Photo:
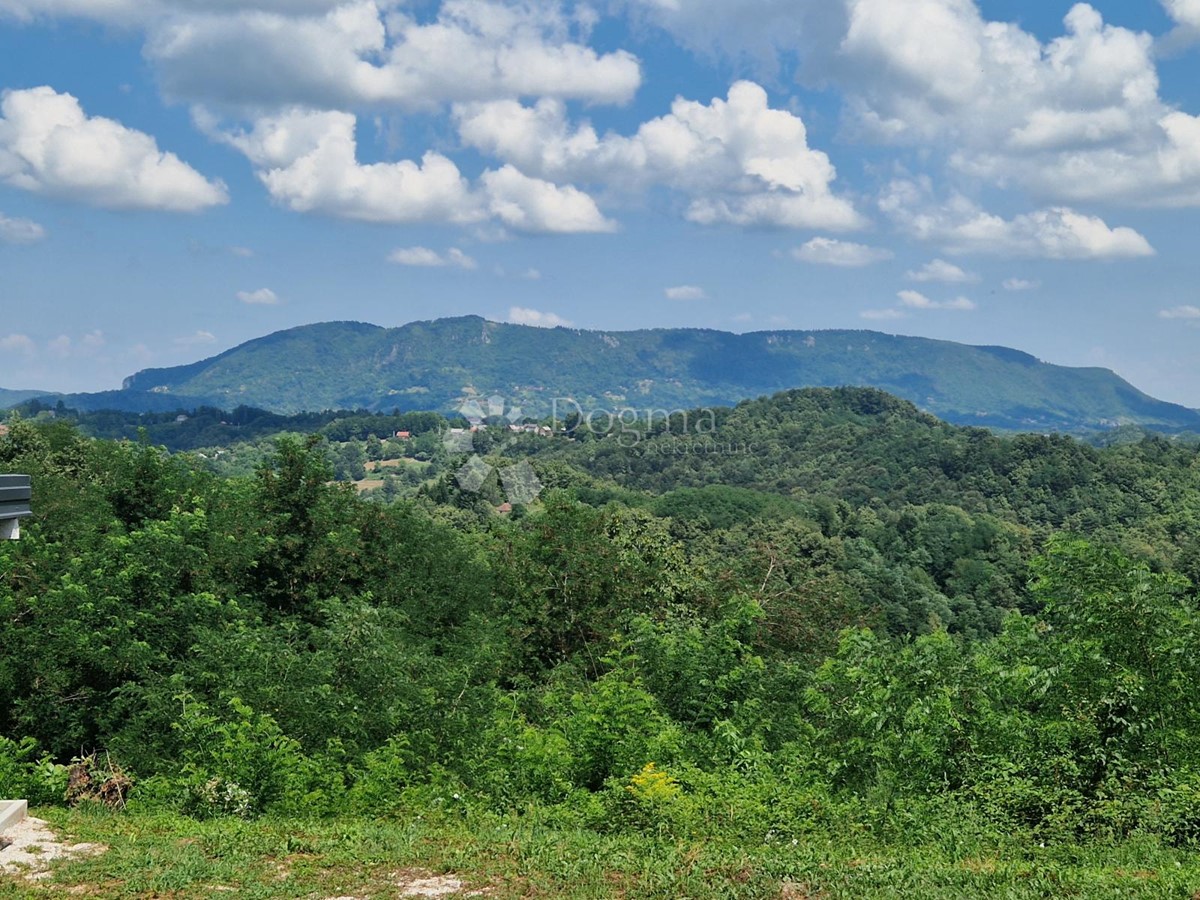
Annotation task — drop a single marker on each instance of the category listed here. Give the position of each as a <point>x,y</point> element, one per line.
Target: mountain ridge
<point>437,364</point>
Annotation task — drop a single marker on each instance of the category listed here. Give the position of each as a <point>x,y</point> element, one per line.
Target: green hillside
<point>436,365</point>
<point>830,647</point>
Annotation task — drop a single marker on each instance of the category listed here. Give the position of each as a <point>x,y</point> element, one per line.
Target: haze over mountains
<point>435,365</point>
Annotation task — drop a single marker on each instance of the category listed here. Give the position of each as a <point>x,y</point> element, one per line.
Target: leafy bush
<point>242,765</point>
<point>28,776</point>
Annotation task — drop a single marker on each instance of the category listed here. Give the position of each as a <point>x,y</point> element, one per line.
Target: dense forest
<point>827,614</point>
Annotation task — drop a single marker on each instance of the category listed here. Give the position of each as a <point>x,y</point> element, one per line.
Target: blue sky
<point>178,176</point>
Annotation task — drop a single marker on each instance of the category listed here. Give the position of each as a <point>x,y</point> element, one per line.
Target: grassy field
<point>162,855</point>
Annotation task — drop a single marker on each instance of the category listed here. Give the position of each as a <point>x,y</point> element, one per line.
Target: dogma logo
<point>521,484</point>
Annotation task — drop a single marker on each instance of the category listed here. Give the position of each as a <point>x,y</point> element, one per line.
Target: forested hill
<point>434,365</point>
<point>9,398</point>
<point>823,619</point>
<point>863,448</point>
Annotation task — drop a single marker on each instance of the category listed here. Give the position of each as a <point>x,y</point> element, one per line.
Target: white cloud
<point>1180,312</point>
<point>120,11</point>
<point>883,315</point>
<point>307,161</point>
<point>531,204</point>
<point>1021,284</point>
<point>831,252</point>
<point>1056,233</point>
<point>940,270</point>
<point>685,292</point>
<point>423,256</point>
<point>1185,12</point>
<point>196,339</point>
<point>740,161</point>
<point>1076,118</point>
<point>917,300</point>
<point>931,68</point>
<point>20,231</point>
<point>242,252</point>
<point>959,226</point>
<point>531,274</point>
<point>520,315</point>
<point>18,343</point>
<point>260,297</point>
<point>368,53</point>
<point>48,145</point>
<point>63,346</point>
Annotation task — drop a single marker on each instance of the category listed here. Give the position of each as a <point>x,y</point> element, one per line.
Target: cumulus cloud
<point>18,343</point>
<point>49,145</point>
<point>520,315</point>
<point>423,256</point>
<point>1075,118</point>
<point>532,204</point>
<point>261,297</point>
<point>1180,312</point>
<point>685,292</point>
<point>1055,233</point>
<point>1185,12</point>
<point>940,270</point>
<point>917,300</point>
<point>20,231</point>
<point>960,226</point>
<point>1021,284</point>
<point>308,162</point>
<point>740,161</point>
<point>372,53</point>
<point>831,252</point>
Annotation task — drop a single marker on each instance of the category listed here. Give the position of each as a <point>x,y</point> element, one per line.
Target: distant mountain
<point>437,365</point>
<point>12,398</point>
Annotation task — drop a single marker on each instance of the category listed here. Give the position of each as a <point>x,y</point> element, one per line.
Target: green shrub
<point>386,772</point>
<point>614,728</point>
<point>28,776</point>
<point>518,762</point>
<point>243,765</point>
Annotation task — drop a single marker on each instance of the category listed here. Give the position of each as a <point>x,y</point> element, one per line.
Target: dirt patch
<point>422,883</point>
<point>34,846</point>
<point>416,883</point>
